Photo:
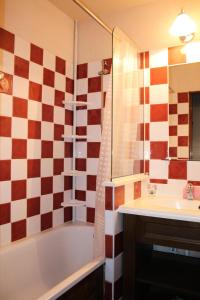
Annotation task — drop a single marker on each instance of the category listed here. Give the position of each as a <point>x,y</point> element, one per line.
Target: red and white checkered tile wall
<point>32,151</point>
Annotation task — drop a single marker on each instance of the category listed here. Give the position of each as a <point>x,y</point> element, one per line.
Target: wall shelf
<point>76,103</point>
<point>73,173</point>
<point>73,203</point>
<point>82,137</point>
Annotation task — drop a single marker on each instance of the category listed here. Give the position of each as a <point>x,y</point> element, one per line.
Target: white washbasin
<point>173,203</point>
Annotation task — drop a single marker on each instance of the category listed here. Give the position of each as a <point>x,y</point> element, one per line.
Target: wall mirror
<point>184,111</point>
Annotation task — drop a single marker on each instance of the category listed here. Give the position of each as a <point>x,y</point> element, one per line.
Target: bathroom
<point>66,203</point>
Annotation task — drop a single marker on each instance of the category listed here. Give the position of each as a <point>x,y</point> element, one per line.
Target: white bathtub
<point>46,265</point>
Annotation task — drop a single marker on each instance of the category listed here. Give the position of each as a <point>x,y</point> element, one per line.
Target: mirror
<point>184,111</point>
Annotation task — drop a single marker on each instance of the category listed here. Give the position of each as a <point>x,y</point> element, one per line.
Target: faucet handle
<point>190,189</point>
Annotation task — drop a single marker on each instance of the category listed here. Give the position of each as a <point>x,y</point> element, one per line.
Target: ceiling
<point>99,7</point>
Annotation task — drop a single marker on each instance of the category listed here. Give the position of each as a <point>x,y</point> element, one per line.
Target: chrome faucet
<point>190,195</point>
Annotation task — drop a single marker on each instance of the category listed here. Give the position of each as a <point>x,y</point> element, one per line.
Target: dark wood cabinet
<point>148,273</point>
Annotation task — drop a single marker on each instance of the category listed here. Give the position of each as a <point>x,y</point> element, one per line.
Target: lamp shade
<point>182,26</point>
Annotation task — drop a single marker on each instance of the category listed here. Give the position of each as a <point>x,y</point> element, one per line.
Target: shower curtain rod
<point>90,13</point>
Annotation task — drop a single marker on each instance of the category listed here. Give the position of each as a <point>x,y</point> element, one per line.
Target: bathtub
<point>49,264</point>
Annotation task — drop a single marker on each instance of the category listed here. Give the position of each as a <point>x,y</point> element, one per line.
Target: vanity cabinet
<point>150,274</point>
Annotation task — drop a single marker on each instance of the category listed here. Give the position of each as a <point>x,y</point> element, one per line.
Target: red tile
<point>81,130</point>
<point>119,196</point>
<point>34,129</point>
<point>183,97</point>
<point>35,91</point>
<point>58,166</point>
<point>94,117</point>
<point>158,150</point>
<point>68,117</point>
<point>4,213</point>
<point>158,112</point>
<point>177,169</point>
<point>47,113</point>
<point>5,167</point>
<point>141,60</point>
<point>80,195</point>
<point>109,198</point>
<point>183,119</point>
<point>146,166</point>
<point>90,214</point>
<point>118,288</point>
<point>60,65</point>
<point>19,148</point>
<point>182,141</point>
<point>146,95</point>
<point>137,190</point>
<point>94,84</point>
<point>58,132</point>
<point>18,230</point>
<point>82,71</point>
<point>160,181</point>
<point>6,84</point>
<point>21,67</point>
<point>142,95</point>
<point>107,64</point>
<point>48,77</point>
<point>147,132</point>
<point>59,98</point>
<point>47,149</point>
<point>46,185</point>
<point>146,59</point>
<point>109,246</point>
<point>93,149</point>
<point>20,107</point>
<point>69,87</point>
<point>46,221</point>
<point>108,291</point>
<point>158,75</point>
<point>67,183</point>
<point>172,109</point>
<point>118,243</point>
<point>36,54</point>
<point>173,152</point>
<point>176,55</point>
<point>58,198</point>
<point>91,182</point>
<point>7,40</point>
<point>172,130</point>
<point>67,214</point>
<point>5,126</point>
<point>33,207</point>
<point>68,149</point>
<point>18,190</point>
<point>80,164</point>
<point>33,168</point>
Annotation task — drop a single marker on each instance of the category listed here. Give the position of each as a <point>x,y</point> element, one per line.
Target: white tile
<point>81,183</point>
<point>183,130</point>
<point>67,163</point>
<point>159,131</point>
<point>58,183</point>
<point>33,225</point>
<point>58,149</point>
<point>173,98</point>
<point>68,130</point>
<point>94,133</point>
<point>193,168</point>
<point>46,203</point>
<point>34,110</point>
<point>173,120</point>
<point>109,270</point>
<point>5,234</point>
<point>33,187</point>
<point>81,149</point>
<point>48,95</point>
<point>183,108</point>
<point>90,198</point>
<point>7,62</point>
<point>118,267</point>
<point>147,150</point>
<point>49,60</point>
<point>159,94</point>
<point>158,58</point>
<point>20,87</point>
<point>19,128</point>
<point>94,68</point>
<point>92,166</point>
<point>69,70</point>
<point>67,195</point>
<point>107,82</point>
<point>6,105</point>
<point>82,86</point>
<point>129,192</point>
<point>147,113</point>
<point>5,148</point>
<point>173,141</point>
<point>5,192</point>
<point>18,210</point>
<point>35,73</point>
<point>22,48</point>
<point>95,100</point>
<point>18,169</point>
<point>47,131</point>
<point>81,214</point>
<point>183,152</point>
<point>59,115</point>
<point>81,117</point>
<point>146,77</point>
<point>109,222</point>
<point>58,217</point>
<point>173,188</point>
<point>158,169</point>
<point>33,148</point>
<point>60,82</point>
<point>46,167</point>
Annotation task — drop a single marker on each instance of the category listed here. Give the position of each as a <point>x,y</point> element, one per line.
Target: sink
<point>174,203</point>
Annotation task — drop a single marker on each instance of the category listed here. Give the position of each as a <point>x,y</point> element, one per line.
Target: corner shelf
<point>66,137</point>
<point>72,203</point>
<point>73,173</point>
<point>76,103</point>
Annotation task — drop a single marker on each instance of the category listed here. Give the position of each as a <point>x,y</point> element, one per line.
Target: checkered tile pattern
<point>32,152</point>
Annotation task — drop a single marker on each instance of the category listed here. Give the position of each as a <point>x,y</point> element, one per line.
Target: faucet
<point>190,195</point>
